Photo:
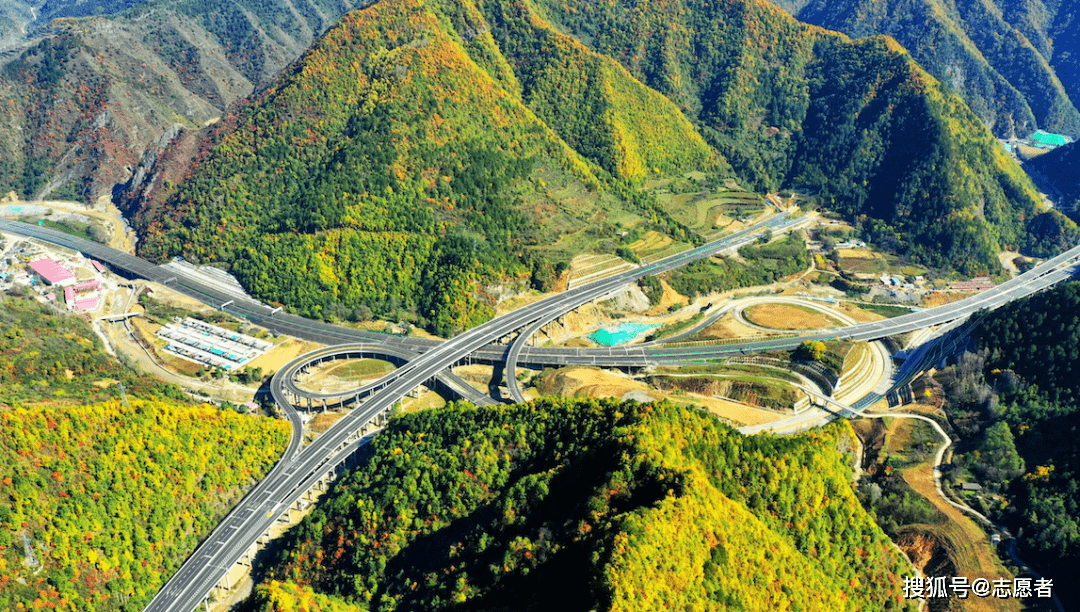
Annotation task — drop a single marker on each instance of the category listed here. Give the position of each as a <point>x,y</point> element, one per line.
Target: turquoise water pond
<point>621,334</point>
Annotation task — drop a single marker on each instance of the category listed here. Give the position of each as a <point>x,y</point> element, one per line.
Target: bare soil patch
<point>477,375</point>
<point>727,327</point>
<point>427,399</point>
<point>169,297</point>
<point>940,299</point>
<point>588,382</point>
<point>969,548</point>
<point>518,301</point>
<point>731,412</point>
<point>1028,153</point>
<point>667,300</point>
<point>860,315</point>
<point>321,422</point>
<point>180,366</point>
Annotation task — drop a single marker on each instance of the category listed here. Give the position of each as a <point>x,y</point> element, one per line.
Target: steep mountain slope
<point>1013,61</point>
<point>857,122</point>
<point>110,497</point>
<point>51,359</point>
<point>1016,405</point>
<point>588,505</point>
<point>421,151</point>
<point>412,155</point>
<point>1060,169</point>
<point>84,101</point>
<point>15,18</point>
<point>113,498</point>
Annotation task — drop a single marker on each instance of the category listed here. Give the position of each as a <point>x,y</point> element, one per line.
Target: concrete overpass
<point>292,477</point>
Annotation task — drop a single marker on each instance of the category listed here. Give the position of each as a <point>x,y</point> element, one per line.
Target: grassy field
<point>865,261</point>
<point>576,221</point>
<point>763,391</point>
<point>788,316</point>
<point>79,230</point>
<point>712,214</point>
<point>360,369</point>
<point>655,245</point>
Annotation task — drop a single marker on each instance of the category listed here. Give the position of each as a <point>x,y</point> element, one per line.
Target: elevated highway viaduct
<point>205,567</point>
<point>1044,275</point>
<point>299,470</point>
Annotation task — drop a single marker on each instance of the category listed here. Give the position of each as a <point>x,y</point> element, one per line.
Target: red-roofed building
<point>52,272</point>
<point>87,304</point>
<point>69,295</point>
<point>87,286</point>
<point>979,283</point>
<point>97,266</point>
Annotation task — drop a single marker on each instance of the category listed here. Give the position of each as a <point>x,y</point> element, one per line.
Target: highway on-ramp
<point>205,568</point>
<point>256,512</point>
<point>296,472</point>
<point>1044,275</point>
<point>747,236</point>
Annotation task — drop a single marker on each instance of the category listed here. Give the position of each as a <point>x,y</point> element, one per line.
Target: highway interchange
<point>299,469</point>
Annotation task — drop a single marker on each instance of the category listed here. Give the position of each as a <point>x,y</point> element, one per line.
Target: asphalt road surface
<point>292,476</point>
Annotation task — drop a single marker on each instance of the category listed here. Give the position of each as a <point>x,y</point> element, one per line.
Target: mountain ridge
<point>587,505</point>
<point>857,122</point>
<point>1011,60</point>
<point>91,93</point>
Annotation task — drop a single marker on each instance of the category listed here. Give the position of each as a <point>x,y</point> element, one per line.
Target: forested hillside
<point>415,154</point>
<point>588,505</point>
<point>1060,169</point>
<point>420,152</point>
<point>1022,397</point>
<point>858,123</point>
<point>83,102</point>
<point>111,499</point>
<point>52,358</point>
<point>1013,61</point>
